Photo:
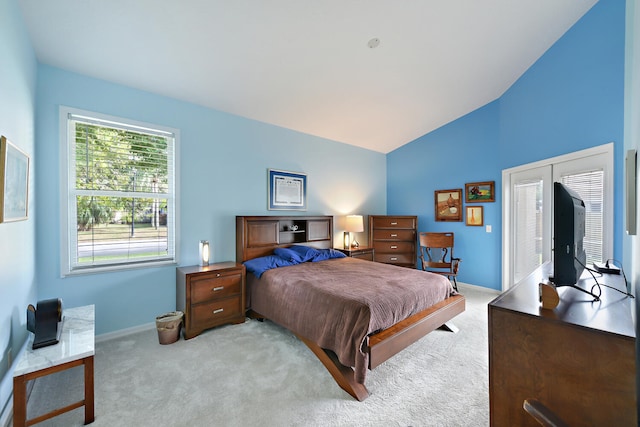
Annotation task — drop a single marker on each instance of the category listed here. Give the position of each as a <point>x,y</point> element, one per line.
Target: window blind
<point>590,187</point>
<point>121,193</point>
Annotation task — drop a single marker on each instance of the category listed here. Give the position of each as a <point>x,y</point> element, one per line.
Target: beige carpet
<point>260,374</point>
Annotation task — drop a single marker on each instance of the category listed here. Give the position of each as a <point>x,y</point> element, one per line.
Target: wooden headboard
<point>258,236</point>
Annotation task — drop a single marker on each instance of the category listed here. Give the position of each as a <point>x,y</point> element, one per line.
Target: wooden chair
<point>436,254</point>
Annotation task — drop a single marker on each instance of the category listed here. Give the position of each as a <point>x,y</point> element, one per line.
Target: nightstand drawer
<point>384,234</point>
<point>214,286</point>
<point>215,312</point>
<point>365,255</point>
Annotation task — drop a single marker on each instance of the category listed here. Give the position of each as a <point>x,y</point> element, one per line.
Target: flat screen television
<point>569,257</point>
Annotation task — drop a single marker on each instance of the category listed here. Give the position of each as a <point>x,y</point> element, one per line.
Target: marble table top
<point>77,341</point>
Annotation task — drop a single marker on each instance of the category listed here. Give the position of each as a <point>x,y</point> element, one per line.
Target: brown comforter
<point>336,303</point>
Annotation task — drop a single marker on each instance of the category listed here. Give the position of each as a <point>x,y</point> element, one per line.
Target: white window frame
<point>68,218</point>
<point>606,154</point>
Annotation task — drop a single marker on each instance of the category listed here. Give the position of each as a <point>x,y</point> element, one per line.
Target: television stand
<point>541,354</point>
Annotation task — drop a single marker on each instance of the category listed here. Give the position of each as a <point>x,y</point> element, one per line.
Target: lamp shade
<point>204,252</point>
<point>354,224</point>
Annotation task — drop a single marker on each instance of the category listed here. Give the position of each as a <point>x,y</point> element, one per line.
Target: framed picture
<point>287,190</point>
<point>14,182</point>
<point>448,205</point>
<point>475,216</point>
<point>477,192</point>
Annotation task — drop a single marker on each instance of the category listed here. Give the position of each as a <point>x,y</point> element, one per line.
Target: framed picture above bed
<point>448,205</point>
<point>287,190</point>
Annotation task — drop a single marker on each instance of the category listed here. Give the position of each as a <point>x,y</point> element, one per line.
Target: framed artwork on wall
<point>287,190</point>
<point>448,205</point>
<point>478,192</point>
<point>475,216</point>
<point>14,182</point>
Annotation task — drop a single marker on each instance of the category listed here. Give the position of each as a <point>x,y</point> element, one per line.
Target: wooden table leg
<point>89,415</point>
<point>19,401</point>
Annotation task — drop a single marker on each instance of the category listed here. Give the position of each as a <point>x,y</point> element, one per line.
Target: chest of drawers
<point>210,296</point>
<point>393,239</point>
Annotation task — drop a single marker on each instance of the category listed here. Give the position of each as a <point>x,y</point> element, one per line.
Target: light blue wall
<point>631,246</point>
<point>223,169</point>
<point>459,152</point>
<point>17,239</point>
<point>570,99</point>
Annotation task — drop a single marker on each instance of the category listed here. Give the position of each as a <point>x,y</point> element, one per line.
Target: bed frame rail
<point>391,341</point>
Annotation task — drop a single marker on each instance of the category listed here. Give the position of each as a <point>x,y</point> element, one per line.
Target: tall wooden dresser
<point>393,239</point>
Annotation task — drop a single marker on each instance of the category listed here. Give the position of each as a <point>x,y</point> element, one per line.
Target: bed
<point>353,314</point>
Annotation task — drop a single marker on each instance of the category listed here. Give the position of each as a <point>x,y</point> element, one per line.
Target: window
<point>118,190</point>
<point>590,187</point>
<point>528,211</point>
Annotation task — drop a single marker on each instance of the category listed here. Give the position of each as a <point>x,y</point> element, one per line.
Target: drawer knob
<point>393,258</point>
<point>394,247</point>
<point>218,275</point>
<point>218,310</point>
<point>217,288</point>
<point>394,223</point>
<point>394,235</point>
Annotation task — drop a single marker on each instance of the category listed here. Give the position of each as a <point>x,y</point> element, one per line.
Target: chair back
<point>436,254</point>
<point>436,250</point>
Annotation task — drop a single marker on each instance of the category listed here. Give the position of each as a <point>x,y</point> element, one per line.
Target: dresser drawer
<point>212,313</point>
<point>399,258</point>
<point>214,286</point>
<point>393,247</point>
<point>387,234</point>
<point>393,222</point>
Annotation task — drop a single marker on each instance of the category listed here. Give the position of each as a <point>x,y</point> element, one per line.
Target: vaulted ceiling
<point>372,73</point>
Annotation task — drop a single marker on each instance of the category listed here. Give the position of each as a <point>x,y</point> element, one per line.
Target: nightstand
<point>210,295</point>
<point>361,252</point>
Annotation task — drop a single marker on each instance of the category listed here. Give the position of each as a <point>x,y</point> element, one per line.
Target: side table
<point>210,295</point>
<point>361,252</point>
<point>76,348</point>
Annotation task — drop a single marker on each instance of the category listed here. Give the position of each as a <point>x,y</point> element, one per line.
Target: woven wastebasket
<point>168,326</point>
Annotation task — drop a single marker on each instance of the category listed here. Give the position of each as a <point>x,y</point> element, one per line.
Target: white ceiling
<point>306,65</point>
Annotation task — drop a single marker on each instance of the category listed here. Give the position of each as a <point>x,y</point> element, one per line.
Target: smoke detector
<point>373,43</point>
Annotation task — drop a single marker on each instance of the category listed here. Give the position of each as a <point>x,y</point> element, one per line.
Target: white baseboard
<point>479,288</point>
<point>124,332</point>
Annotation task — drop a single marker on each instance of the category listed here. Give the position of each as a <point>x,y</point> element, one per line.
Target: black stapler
<point>45,321</point>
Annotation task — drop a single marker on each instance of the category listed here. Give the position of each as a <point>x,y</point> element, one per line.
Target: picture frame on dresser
<point>287,190</point>
<point>448,205</point>
<point>14,182</point>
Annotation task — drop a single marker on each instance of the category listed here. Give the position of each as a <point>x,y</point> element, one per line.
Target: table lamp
<point>354,224</point>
